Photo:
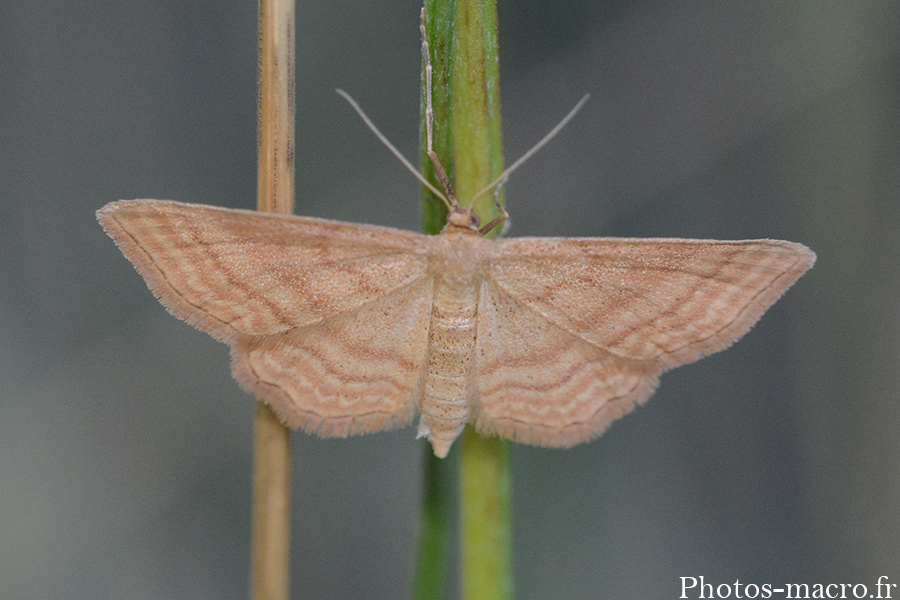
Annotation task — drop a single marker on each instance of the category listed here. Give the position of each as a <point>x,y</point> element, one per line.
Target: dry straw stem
<point>270,544</point>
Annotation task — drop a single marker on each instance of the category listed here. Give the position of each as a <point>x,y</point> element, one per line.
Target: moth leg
<point>503,217</point>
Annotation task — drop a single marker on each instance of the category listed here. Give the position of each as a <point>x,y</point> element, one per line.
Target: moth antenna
<point>381,137</point>
<point>429,119</point>
<point>506,173</point>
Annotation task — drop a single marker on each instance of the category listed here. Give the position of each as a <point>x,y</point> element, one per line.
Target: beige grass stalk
<point>270,543</point>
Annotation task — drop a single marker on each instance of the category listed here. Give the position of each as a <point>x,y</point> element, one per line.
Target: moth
<point>349,329</point>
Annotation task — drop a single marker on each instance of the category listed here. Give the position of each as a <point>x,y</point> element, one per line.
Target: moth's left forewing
<point>239,273</point>
<point>327,321</point>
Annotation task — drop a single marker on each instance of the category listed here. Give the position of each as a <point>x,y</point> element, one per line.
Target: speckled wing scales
<point>597,320</point>
<point>327,321</point>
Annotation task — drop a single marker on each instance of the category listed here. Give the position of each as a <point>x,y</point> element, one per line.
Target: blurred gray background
<point>125,445</point>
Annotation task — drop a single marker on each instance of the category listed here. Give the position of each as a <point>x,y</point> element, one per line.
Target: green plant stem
<point>462,36</point>
<point>433,561</point>
<point>485,496</point>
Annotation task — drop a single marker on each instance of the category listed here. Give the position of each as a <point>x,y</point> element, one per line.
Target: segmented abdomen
<point>451,346</point>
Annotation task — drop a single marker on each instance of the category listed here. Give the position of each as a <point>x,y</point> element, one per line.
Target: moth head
<point>463,218</point>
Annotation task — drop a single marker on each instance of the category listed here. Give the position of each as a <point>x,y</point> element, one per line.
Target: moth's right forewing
<point>573,333</point>
<point>243,273</point>
<point>665,300</point>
